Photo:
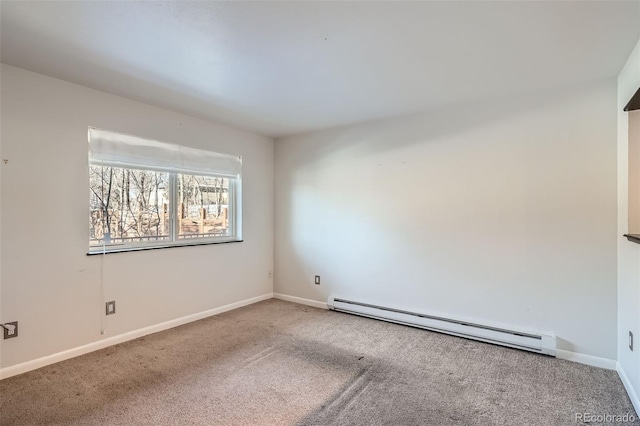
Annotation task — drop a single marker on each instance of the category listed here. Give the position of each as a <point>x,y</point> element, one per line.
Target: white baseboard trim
<point>121,338</point>
<point>300,300</point>
<point>594,361</point>
<point>633,396</point>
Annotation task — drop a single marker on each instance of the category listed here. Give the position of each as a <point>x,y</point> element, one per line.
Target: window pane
<point>203,206</point>
<point>128,206</point>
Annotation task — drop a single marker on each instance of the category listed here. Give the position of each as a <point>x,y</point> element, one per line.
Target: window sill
<point>129,249</point>
<point>634,238</point>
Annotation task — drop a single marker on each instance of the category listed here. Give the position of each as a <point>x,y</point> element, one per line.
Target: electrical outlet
<point>111,307</point>
<point>270,274</point>
<point>631,341</point>
<point>10,330</point>
<point>317,280</point>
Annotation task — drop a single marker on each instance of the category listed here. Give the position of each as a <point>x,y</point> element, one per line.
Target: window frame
<point>234,214</point>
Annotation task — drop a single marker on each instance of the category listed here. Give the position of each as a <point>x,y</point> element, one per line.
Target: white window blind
<point>132,151</point>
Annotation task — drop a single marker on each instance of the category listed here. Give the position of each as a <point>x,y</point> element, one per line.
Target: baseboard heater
<point>539,343</point>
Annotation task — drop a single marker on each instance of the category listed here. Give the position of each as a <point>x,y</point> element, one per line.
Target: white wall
<point>628,252</point>
<point>49,284</point>
<point>502,212</point>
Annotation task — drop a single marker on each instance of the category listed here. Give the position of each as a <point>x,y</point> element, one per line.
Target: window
<point>147,194</point>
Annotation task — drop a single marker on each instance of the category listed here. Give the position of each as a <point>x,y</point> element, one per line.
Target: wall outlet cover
<point>111,307</point>
<point>10,330</point>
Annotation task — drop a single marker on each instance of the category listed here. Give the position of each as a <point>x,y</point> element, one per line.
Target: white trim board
<point>594,361</point>
<point>300,300</point>
<point>633,396</point>
<point>121,338</point>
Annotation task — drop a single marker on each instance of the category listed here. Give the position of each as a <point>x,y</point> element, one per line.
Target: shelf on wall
<point>634,238</point>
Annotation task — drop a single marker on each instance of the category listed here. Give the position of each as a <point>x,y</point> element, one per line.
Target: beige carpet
<point>278,363</point>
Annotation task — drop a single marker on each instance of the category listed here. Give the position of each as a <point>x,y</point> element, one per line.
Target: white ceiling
<point>279,68</point>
